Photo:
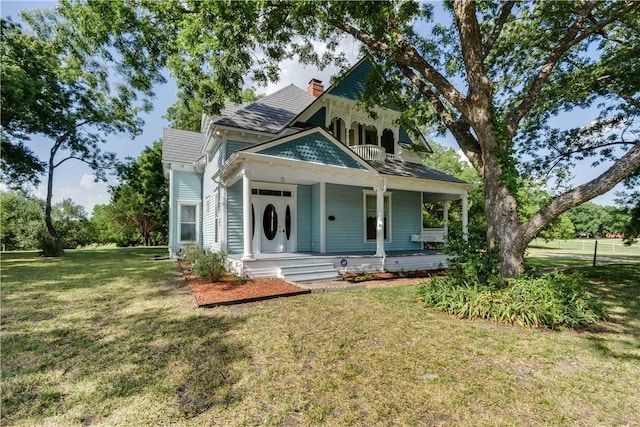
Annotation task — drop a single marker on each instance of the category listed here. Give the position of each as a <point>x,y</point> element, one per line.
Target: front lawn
<point>110,337</point>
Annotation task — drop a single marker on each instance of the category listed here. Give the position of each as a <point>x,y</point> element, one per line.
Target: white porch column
<point>246,216</point>
<point>223,217</point>
<point>323,217</point>
<point>465,217</point>
<point>380,218</point>
<point>445,217</point>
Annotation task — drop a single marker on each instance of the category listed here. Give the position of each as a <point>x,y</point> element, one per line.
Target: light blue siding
<point>235,241</point>
<point>187,188</point>
<point>315,218</point>
<point>209,206</point>
<point>406,219</point>
<point>345,233</point>
<point>304,214</point>
<point>233,146</point>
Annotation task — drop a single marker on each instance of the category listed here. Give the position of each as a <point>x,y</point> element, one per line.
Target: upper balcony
<point>373,153</point>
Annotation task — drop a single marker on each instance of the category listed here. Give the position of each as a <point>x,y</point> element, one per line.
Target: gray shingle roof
<point>181,146</point>
<point>413,170</point>
<point>271,113</point>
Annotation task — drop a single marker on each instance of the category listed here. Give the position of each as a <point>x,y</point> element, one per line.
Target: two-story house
<point>301,184</point>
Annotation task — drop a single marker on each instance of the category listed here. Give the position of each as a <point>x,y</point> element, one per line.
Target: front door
<point>273,218</point>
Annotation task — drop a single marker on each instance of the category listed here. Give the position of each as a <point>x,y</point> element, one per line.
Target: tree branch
<point>460,130</point>
<point>572,37</point>
<point>69,158</point>
<point>621,169</point>
<point>497,29</point>
<point>407,55</point>
<point>480,86</point>
<point>565,154</point>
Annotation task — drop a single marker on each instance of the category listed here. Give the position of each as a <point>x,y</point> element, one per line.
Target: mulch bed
<point>365,277</point>
<point>231,291</point>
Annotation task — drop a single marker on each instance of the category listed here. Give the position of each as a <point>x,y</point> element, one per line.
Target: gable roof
<point>181,146</point>
<point>313,145</point>
<point>269,114</point>
<point>413,170</point>
<point>352,83</point>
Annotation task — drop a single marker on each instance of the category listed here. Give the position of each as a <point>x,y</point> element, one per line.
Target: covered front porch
<point>301,267</point>
<point>306,205</point>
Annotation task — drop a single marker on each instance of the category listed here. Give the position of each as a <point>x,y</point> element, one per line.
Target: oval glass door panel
<point>253,221</point>
<point>270,222</point>
<point>287,222</point>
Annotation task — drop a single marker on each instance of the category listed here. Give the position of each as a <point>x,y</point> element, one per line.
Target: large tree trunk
<point>504,228</point>
<point>504,232</point>
<point>146,234</point>
<point>57,241</point>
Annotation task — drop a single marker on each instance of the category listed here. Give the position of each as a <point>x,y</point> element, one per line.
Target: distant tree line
<point>588,220</point>
<point>136,215</point>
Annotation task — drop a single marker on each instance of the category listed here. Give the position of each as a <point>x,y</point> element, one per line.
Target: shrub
<point>192,253</point>
<point>554,300</point>
<point>207,264</point>
<point>211,265</point>
<point>48,247</point>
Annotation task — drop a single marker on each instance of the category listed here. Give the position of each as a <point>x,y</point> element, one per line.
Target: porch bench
<point>430,235</point>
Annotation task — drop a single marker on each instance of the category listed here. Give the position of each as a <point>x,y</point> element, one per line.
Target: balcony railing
<point>373,153</point>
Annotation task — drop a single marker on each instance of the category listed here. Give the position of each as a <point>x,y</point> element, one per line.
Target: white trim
<point>246,216</point>
<point>171,228</point>
<point>387,195</point>
<point>223,218</point>
<point>195,204</point>
<point>256,201</point>
<point>323,217</point>
<point>465,217</point>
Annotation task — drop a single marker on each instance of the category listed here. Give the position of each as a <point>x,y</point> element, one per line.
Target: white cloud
<point>87,181</point>
<point>85,192</point>
<point>292,72</point>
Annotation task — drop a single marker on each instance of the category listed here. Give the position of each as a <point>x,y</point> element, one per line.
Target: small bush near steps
<point>554,300</point>
<point>210,265</point>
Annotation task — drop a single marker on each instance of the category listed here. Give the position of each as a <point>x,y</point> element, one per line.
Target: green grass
<point>110,337</point>
<point>579,252</point>
<point>606,247</point>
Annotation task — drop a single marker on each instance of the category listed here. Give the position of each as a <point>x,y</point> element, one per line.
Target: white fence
<point>605,246</point>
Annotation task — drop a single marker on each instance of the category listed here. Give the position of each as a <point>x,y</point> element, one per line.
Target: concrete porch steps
<point>306,272</point>
<point>309,272</point>
<point>262,272</point>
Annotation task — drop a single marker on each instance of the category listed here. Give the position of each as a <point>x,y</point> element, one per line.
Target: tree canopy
<point>498,76</point>
<point>50,88</point>
<point>140,204</point>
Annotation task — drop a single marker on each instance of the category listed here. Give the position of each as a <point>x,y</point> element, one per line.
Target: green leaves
<point>140,204</point>
<point>555,301</point>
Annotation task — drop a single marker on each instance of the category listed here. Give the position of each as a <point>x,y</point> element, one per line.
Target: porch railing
<point>370,152</point>
<point>430,235</point>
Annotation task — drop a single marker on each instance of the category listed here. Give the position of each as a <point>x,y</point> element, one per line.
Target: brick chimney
<point>315,87</point>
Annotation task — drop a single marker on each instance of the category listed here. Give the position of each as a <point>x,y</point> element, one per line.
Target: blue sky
<point>75,180</point>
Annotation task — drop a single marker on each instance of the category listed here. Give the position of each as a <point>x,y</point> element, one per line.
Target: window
<point>188,223</point>
<point>370,216</point>
<point>370,137</point>
<point>216,216</point>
